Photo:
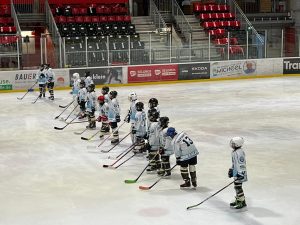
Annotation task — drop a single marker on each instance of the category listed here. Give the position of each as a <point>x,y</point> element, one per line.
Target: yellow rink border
<point>173,82</point>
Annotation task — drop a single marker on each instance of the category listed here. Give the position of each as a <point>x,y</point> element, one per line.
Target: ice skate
<point>186,184</point>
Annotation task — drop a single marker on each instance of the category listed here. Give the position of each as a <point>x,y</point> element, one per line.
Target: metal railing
<point>29,6</point>
<point>157,18</point>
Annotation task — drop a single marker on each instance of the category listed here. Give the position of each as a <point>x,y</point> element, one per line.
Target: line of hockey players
<point>45,79</point>
<point>151,134</point>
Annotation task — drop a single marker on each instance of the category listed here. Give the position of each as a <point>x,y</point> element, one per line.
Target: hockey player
<point>130,118</point>
<point>88,79</point>
<point>153,104</point>
<point>81,99</point>
<point>50,80</point>
<point>153,142</point>
<point>165,148</point>
<point>42,80</point>
<point>114,115</point>
<point>105,93</point>
<point>139,128</point>
<point>103,112</point>
<point>238,171</point>
<point>186,156</point>
<point>91,106</point>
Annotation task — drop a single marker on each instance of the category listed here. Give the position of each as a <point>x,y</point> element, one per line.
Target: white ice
<point>52,177</point>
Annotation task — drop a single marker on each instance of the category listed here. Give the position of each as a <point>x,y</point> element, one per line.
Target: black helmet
<point>153,115</point>
<point>113,94</point>
<point>139,106</point>
<point>82,84</point>
<point>164,121</point>
<point>91,88</point>
<point>153,102</point>
<point>105,90</point>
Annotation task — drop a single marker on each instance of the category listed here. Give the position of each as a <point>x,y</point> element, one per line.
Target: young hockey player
<point>238,171</point>
<point>130,118</point>
<point>103,112</point>
<point>91,106</point>
<point>186,156</point>
<point>153,142</point>
<point>105,93</point>
<point>139,128</point>
<point>165,148</point>
<point>88,79</point>
<point>75,87</point>
<point>50,80</point>
<point>114,115</point>
<point>153,104</point>
<point>81,99</point>
<point>42,80</point>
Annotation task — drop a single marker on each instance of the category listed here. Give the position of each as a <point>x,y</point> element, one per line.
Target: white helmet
<point>76,76</point>
<point>236,142</point>
<point>132,96</point>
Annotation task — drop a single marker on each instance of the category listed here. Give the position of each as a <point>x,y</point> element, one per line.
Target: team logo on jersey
<point>242,159</point>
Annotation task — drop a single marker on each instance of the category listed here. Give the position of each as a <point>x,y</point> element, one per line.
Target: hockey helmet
<point>139,106</point>
<point>113,94</point>
<point>236,142</point>
<point>105,90</point>
<point>76,76</point>
<point>164,121</point>
<point>132,96</point>
<point>91,88</point>
<point>171,132</point>
<point>153,115</point>
<point>153,102</point>
<point>82,84</point>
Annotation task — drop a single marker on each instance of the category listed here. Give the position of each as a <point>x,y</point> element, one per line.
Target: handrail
<point>156,17</point>
<point>249,24</point>
<point>14,16</point>
<point>50,21</point>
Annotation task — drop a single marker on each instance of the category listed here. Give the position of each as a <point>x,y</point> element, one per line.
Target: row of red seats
<point>6,20</point>
<point>222,24</point>
<point>7,30</point>
<point>5,10</point>
<point>8,39</point>
<point>216,16</point>
<point>224,41</point>
<point>233,50</point>
<point>198,8</point>
<point>217,32</point>
<point>93,19</point>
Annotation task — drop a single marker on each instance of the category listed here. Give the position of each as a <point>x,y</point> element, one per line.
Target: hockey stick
<point>27,91</point>
<point>61,128</point>
<point>149,187</point>
<point>128,150</point>
<point>135,180</point>
<point>78,133</point>
<point>63,111</point>
<point>87,139</point>
<point>111,134</point>
<point>116,167</point>
<point>71,112</point>
<point>116,144</point>
<point>65,106</point>
<point>192,206</point>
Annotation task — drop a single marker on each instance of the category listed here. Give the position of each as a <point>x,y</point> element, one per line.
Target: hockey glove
<point>118,119</point>
<point>239,177</point>
<point>133,131</point>
<point>230,172</point>
<point>127,118</point>
<point>161,151</point>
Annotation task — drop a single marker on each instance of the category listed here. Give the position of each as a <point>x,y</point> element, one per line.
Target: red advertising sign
<point>152,73</point>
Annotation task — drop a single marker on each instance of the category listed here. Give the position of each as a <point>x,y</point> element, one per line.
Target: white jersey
<point>41,77</point>
<point>140,123</point>
<point>76,87</point>
<point>103,109</point>
<point>91,101</point>
<point>132,112</point>
<point>50,75</point>
<point>88,80</point>
<point>184,147</point>
<point>239,164</point>
<point>153,133</point>
<point>113,110</point>
<point>106,98</point>
<point>82,95</point>
<point>148,121</point>
<point>165,142</point>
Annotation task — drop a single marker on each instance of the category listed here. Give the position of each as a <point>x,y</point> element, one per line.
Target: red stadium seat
<point>70,19</point>
<point>103,19</point>
<point>111,19</point>
<point>79,19</point>
<point>95,19</point>
<point>87,19</point>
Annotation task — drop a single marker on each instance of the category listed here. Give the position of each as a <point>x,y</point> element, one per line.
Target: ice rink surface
<point>52,177</point>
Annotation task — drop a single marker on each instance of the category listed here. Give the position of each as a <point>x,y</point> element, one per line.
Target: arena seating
<point>217,20</point>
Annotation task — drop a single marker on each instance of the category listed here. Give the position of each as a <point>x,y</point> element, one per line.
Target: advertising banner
<point>24,79</point>
<point>194,71</point>
<point>152,73</point>
<point>108,75</point>
<point>291,66</point>
<point>233,68</point>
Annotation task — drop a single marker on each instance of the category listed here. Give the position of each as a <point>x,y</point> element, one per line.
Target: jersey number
<point>187,140</point>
